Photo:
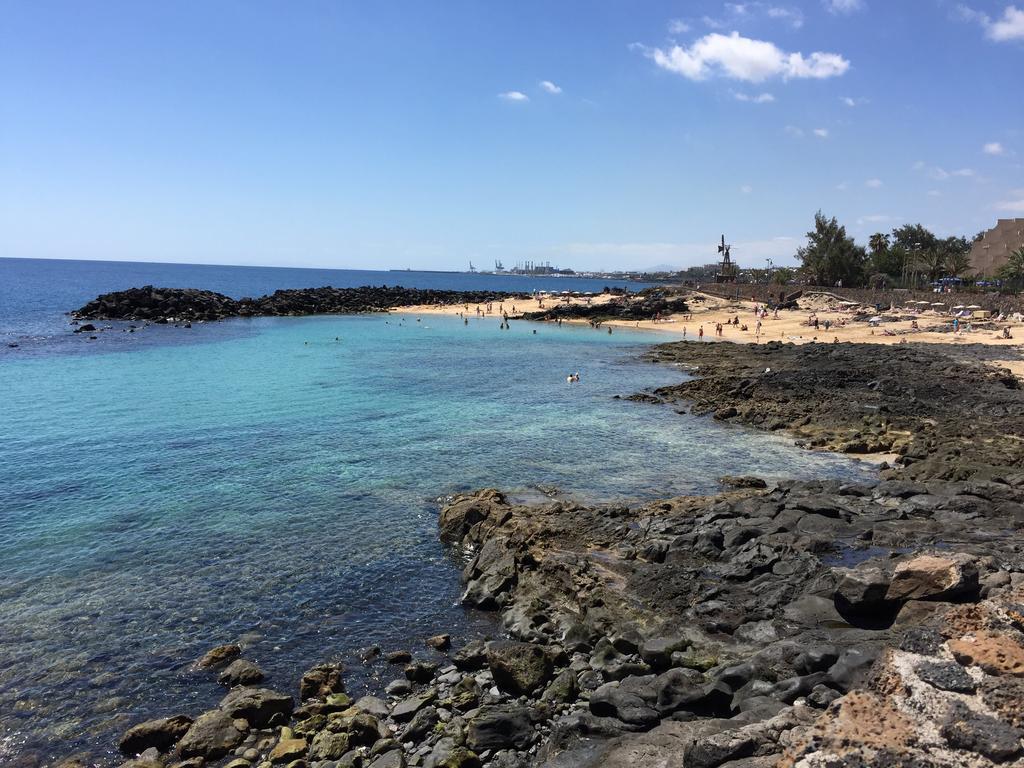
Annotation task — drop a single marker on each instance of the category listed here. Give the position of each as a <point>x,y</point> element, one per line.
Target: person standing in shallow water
<point>700,333</point>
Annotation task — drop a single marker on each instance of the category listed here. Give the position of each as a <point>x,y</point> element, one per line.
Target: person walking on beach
<point>700,333</point>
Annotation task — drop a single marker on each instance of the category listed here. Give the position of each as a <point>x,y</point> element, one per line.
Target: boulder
<point>421,671</point>
<point>629,700</point>
<point>219,656</point>
<point>261,707</point>
<point>406,708</point>
<point>471,657</point>
<point>439,642</point>
<point>160,734</point>
<point>935,577</point>
<point>322,680</point>
<point>328,746</point>
<point>657,650</point>
<point>213,735</point>
<point>422,723</point>
<point>240,672</point>
<point>518,668</point>
<point>392,759</point>
<point>504,726</point>
<point>286,750</point>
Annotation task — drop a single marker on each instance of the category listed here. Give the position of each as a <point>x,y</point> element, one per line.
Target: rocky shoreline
<point>794,623</point>
<point>169,305</point>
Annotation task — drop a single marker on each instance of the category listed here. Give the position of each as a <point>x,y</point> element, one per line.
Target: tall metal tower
<point>726,267</point>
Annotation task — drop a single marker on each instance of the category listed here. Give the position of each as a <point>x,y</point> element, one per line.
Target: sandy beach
<point>791,326</point>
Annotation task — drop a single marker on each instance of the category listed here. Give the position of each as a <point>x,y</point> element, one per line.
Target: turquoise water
<point>276,481</point>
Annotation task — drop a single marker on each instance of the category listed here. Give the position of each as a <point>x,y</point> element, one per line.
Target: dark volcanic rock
<point>159,734</point>
<point>259,706</point>
<point>240,672</point>
<point>500,727</point>
<point>518,668</point>
<point>190,304</point>
<point>211,736</point>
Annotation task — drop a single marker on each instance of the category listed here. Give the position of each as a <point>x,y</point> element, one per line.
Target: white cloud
<point>513,96</point>
<point>873,183</point>
<point>549,87</point>
<point>937,173</point>
<point>876,218</point>
<point>792,130</point>
<point>842,186</point>
<point>742,58</point>
<point>746,189</point>
<point>993,148</point>
<point>791,16</point>
<point>821,133</point>
<point>748,11</point>
<point>843,6</point>
<point>678,27</point>
<point>1008,27</point>
<point>1011,206</point>
<point>761,98</point>
<point>852,102</point>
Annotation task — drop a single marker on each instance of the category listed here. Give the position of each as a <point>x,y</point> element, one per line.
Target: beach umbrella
<point>972,306</point>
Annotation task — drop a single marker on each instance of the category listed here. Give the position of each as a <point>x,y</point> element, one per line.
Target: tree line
<point>909,256</point>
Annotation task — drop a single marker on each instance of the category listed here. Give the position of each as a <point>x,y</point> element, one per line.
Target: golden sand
<point>791,326</point>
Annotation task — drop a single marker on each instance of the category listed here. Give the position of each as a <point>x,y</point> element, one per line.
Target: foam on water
<point>279,486</point>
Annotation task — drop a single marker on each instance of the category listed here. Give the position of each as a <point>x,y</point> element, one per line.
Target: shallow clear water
<point>276,481</point>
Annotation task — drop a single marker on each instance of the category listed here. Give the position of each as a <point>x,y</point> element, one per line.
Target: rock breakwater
<point>191,304</point>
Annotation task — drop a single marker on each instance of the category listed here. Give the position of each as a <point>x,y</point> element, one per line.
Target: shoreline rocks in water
<point>791,623</point>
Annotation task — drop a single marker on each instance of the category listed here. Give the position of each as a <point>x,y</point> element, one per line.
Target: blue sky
<point>422,134</point>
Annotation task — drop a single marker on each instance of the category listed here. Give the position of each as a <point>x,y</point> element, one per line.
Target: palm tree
<point>1013,270</point>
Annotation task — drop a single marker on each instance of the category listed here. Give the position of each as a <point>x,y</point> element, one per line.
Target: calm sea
<point>276,482</point>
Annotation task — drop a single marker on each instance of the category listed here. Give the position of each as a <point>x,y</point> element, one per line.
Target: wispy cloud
<point>876,218</point>
<point>852,102</point>
<point>843,6</point>
<point>548,87</point>
<point>792,130</point>
<point>746,189</point>
<point>1011,206</point>
<point>821,133</point>
<point>874,184</point>
<point>677,27</point>
<point>993,148</point>
<point>761,98</point>
<point>739,13</point>
<point>842,186</point>
<point>1008,27</point>
<point>937,173</point>
<point>513,96</point>
<point>742,58</point>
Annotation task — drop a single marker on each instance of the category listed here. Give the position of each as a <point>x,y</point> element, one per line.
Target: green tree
<point>957,256</point>
<point>783,275</point>
<point>1013,270</point>
<point>831,256</point>
<point>914,237</point>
